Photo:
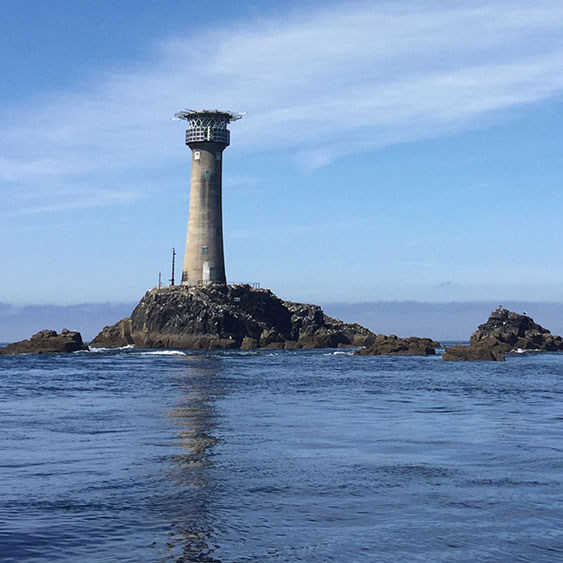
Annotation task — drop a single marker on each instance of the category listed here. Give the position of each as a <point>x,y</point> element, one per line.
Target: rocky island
<point>392,345</point>
<point>221,316</point>
<point>47,342</point>
<point>216,316</point>
<point>505,332</point>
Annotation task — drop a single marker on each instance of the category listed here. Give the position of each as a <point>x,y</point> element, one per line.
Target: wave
<point>164,353</point>
<point>523,351</point>
<point>97,350</point>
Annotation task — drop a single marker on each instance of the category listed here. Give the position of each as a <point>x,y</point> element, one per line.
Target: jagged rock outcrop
<point>511,331</point>
<point>114,336</point>
<point>47,342</point>
<point>227,316</point>
<point>394,346</point>
<point>504,332</point>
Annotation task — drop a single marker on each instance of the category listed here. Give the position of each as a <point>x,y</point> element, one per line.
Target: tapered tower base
<point>204,258</point>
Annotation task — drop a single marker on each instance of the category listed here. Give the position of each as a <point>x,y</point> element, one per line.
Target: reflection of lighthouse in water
<point>192,525</point>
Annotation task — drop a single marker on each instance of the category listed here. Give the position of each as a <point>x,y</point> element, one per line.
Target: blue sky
<point>390,151</point>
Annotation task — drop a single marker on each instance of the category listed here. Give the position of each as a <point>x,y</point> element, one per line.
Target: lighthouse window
<point>196,155</point>
<point>218,156</point>
<point>204,250</point>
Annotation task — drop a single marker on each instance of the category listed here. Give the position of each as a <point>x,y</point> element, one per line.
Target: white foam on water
<point>339,353</point>
<point>164,353</point>
<point>522,351</point>
<point>94,349</point>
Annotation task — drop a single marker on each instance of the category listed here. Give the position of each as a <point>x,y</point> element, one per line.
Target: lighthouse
<point>207,136</point>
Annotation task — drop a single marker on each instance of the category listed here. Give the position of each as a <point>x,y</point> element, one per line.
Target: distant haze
<point>442,321</point>
<point>17,323</point>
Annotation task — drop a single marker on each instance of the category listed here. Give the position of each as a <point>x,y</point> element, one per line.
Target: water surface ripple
<point>132,455</point>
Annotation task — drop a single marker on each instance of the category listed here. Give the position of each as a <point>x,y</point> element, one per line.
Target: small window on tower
<point>204,250</point>
<point>196,155</point>
<point>218,156</point>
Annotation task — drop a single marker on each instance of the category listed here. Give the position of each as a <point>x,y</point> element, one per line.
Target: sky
<point>390,150</point>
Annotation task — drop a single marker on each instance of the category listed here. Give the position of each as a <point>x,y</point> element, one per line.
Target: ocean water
<point>132,455</point>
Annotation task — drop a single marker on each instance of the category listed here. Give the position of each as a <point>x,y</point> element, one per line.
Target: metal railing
<point>253,285</point>
<point>212,134</point>
<point>201,283</point>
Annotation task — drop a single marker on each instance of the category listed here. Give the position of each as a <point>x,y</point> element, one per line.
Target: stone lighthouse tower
<point>207,135</point>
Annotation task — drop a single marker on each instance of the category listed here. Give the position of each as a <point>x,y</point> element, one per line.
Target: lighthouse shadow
<point>192,518</point>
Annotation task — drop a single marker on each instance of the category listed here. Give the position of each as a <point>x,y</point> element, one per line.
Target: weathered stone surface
<point>504,332</point>
<point>47,342</point>
<point>248,343</point>
<point>394,346</point>
<point>510,331</point>
<point>270,338</point>
<point>473,353</point>
<point>114,336</point>
<point>234,316</point>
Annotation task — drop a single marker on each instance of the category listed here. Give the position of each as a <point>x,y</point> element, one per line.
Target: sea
<point>280,456</point>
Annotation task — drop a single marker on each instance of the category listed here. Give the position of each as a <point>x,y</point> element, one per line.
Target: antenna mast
<point>173,264</point>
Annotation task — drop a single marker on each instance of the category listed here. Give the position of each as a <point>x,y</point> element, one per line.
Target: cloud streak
<point>101,198</point>
<point>321,83</point>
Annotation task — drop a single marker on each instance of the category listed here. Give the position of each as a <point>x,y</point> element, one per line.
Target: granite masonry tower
<point>207,136</point>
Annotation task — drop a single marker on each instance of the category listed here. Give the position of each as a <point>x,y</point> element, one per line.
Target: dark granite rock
<point>47,342</point>
<point>504,332</point>
<point>394,346</point>
<point>227,316</point>
<point>270,338</point>
<point>510,331</point>
<point>114,336</point>
<point>474,353</point>
<point>249,343</point>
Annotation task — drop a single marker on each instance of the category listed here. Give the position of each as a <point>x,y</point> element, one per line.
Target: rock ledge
<point>394,346</point>
<point>47,342</point>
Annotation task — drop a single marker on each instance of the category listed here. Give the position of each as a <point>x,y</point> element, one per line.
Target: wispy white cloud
<point>346,78</point>
<point>100,198</point>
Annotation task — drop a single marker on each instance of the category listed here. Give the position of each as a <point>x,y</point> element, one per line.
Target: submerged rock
<point>505,332</point>
<point>47,342</point>
<point>394,346</point>
<point>227,316</point>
